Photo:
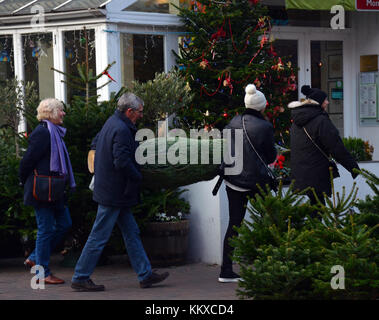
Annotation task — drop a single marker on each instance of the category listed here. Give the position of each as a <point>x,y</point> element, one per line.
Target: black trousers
<point>237,209</point>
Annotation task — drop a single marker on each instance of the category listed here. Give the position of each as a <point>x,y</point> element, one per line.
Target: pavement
<point>193,281</point>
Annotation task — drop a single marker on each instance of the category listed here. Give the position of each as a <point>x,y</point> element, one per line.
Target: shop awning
<point>319,4</point>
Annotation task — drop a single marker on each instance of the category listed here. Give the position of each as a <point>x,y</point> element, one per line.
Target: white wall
<point>206,218</point>
<point>366,26</point>
<point>209,215</point>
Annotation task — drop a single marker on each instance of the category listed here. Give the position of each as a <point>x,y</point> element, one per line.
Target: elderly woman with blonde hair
<point>47,159</point>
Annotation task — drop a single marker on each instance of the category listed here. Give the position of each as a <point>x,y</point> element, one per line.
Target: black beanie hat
<point>314,94</point>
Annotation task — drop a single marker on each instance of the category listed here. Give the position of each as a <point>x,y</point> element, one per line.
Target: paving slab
<point>193,281</point>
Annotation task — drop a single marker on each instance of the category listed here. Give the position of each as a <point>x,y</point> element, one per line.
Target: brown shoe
<point>29,263</point>
<point>52,280</point>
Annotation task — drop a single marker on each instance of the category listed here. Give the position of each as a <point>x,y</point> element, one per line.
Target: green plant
<point>359,149</point>
<point>163,206</point>
<point>14,103</point>
<point>228,45</point>
<point>165,95</point>
<point>296,262</point>
<point>17,221</point>
<point>369,207</point>
<point>269,210</point>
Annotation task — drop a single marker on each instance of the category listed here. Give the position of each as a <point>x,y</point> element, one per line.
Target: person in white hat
<point>261,135</point>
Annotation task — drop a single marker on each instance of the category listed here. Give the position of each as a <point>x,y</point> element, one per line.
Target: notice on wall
<point>368,77</point>
<point>367,101</point>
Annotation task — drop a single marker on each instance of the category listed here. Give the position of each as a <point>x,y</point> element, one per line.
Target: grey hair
<point>129,100</point>
<point>48,109</point>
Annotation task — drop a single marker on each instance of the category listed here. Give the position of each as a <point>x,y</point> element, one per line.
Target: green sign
<point>319,4</point>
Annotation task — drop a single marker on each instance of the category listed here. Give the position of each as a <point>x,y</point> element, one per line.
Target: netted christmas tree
<point>229,45</point>
<point>284,254</point>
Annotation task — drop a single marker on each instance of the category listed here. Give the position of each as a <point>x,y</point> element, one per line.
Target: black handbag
<point>48,188</point>
<point>332,163</point>
<point>272,180</point>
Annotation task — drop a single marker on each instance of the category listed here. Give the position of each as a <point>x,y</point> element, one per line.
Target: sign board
<point>337,94</point>
<point>368,98</point>
<point>369,63</point>
<point>367,5</point>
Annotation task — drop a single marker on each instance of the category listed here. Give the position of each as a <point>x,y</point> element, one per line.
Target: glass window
<point>327,75</point>
<point>158,6</point>
<point>38,61</point>
<point>141,56</point>
<point>76,52</point>
<point>6,58</point>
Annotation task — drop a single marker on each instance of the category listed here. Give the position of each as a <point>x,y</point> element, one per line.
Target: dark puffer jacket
<point>261,134</point>
<point>309,167</point>
<point>117,174</point>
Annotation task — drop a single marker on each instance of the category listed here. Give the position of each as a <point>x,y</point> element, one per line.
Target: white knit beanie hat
<point>254,99</point>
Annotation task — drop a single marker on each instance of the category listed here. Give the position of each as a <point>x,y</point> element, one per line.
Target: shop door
<point>327,74</point>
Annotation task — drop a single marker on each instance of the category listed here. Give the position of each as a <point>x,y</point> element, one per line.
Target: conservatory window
<point>158,6</point>
<point>141,56</point>
<point>6,58</point>
<point>38,61</point>
<point>76,45</point>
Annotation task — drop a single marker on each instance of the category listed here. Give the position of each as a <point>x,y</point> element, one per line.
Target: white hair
<point>48,109</point>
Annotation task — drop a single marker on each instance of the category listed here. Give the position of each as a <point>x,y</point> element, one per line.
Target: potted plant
<point>164,226</point>
<point>361,150</point>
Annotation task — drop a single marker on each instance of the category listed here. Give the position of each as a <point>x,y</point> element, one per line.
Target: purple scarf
<point>59,152</point>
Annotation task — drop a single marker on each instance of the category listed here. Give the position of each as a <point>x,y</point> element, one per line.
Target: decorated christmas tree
<point>229,45</point>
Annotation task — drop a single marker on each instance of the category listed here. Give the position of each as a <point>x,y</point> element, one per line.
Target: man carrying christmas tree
<point>116,190</point>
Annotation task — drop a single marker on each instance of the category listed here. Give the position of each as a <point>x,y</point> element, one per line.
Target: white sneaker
<point>227,277</point>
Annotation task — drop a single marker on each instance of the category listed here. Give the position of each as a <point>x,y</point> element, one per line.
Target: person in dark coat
<point>309,166</point>
<point>116,190</point>
<point>240,186</point>
<point>47,155</point>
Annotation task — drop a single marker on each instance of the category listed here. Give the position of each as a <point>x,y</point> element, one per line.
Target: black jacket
<point>117,174</point>
<point>309,167</point>
<point>37,156</point>
<point>261,134</point>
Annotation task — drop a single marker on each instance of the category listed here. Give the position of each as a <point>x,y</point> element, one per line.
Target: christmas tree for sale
<point>228,44</point>
<point>85,82</point>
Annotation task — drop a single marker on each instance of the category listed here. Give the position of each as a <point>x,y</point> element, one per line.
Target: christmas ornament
<point>203,63</point>
<point>36,52</point>
<point>4,56</point>
<point>69,53</point>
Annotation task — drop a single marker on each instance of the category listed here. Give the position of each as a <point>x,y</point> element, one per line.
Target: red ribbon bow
<point>109,76</point>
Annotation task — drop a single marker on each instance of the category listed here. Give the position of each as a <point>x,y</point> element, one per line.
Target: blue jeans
<point>52,225</point>
<point>101,231</point>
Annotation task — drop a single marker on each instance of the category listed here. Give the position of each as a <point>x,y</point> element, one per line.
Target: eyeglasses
<point>139,111</point>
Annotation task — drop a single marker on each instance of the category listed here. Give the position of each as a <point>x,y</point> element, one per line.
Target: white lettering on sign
<point>372,3</point>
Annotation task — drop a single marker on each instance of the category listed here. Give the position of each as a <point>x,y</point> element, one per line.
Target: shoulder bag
<point>332,163</point>
<point>273,182</point>
<point>48,188</point>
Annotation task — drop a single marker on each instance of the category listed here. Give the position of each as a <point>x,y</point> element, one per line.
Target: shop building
<point>140,36</point>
